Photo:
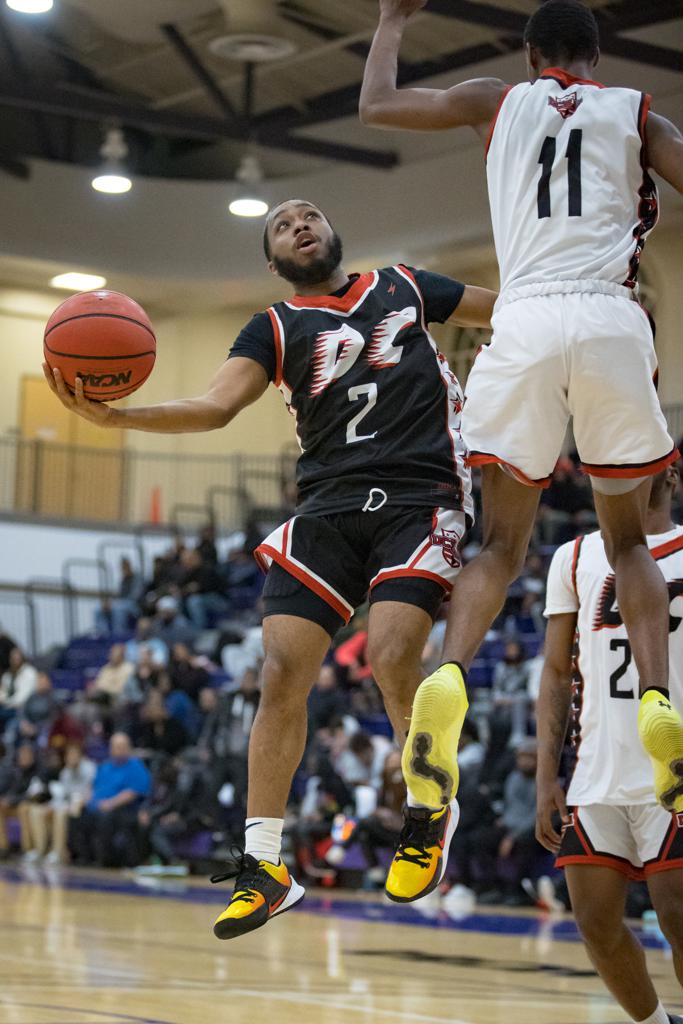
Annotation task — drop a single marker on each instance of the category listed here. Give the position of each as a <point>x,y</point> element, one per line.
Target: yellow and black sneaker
<point>430,755</point>
<point>661,733</point>
<point>422,854</point>
<point>261,891</point>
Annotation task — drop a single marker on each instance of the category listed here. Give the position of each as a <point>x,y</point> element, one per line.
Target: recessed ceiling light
<point>248,207</point>
<point>113,184</point>
<point>30,6</point>
<point>74,282</point>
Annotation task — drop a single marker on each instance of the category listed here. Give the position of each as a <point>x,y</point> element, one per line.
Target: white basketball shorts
<point>586,355</point>
<point>639,840</point>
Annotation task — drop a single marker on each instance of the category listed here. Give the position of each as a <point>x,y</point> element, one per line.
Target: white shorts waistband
<point>529,291</point>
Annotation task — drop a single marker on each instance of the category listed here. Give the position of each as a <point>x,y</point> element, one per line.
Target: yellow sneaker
<point>261,891</point>
<point>430,756</point>
<point>422,854</point>
<point>661,733</point>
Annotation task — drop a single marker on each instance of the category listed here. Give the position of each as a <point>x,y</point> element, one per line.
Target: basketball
<point>103,337</point>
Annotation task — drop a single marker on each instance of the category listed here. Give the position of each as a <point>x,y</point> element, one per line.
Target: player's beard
<point>314,272</point>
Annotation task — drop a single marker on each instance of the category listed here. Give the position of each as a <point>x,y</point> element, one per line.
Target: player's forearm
<point>552,715</point>
<point>379,95</point>
<point>185,416</point>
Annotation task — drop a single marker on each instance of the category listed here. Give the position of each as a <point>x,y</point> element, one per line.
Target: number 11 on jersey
<point>573,157</point>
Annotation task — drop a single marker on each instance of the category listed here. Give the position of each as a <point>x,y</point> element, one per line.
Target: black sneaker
<point>422,854</point>
<point>261,891</point>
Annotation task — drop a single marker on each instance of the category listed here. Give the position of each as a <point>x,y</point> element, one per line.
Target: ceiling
<point>190,115</point>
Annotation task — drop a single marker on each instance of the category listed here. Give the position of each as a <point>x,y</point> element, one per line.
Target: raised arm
<point>384,105</point>
<point>664,146</point>
<point>552,717</point>
<point>475,308</point>
<point>238,383</point>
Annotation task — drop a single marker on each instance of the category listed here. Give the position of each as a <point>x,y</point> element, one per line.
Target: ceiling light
<point>30,6</point>
<point>114,184</point>
<point>74,282</point>
<point>113,177</point>
<point>249,203</point>
<point>246,207</point>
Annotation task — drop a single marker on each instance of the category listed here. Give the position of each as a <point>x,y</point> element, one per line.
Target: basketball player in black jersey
<point>384,500</point>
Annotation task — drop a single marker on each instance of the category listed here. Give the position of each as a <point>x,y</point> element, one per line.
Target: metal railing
<point>64,482</point>
<point>46,612</point>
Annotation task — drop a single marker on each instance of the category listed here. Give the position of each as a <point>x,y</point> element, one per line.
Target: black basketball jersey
<point>377,409</point>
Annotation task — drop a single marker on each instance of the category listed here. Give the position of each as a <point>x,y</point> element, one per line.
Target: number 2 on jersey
<point>361,391</point>
<point>573,157</point>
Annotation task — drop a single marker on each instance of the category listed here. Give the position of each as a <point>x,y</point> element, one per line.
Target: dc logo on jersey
<point>448,541</point>
<point>567,105</point>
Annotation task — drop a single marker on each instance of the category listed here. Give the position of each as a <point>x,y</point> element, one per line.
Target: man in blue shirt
<point>106,830</point>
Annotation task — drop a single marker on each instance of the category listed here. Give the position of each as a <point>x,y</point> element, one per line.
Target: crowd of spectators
<point>146,763</point>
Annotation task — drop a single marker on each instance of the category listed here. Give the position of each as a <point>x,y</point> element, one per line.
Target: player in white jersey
<point>614,830</point>
<point>572,201</point>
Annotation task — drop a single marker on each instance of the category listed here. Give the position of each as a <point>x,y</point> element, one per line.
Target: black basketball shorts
<point>322,567</point>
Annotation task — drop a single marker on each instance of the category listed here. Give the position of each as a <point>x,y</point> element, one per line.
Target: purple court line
<point>329,906</point>
<point>112,1015</point>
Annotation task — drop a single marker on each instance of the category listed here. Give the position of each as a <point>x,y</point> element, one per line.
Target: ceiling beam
<point>90,107</point>
<point>643,53</point>
<point>16,61</point>
<point>202,74</point>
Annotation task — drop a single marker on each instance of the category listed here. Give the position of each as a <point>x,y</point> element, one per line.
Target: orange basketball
<point>103,337</point>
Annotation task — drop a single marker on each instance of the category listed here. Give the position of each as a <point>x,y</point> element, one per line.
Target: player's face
<point>304,247</point>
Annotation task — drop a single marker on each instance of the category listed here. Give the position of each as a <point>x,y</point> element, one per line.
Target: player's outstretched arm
<point>664,147</point>
<point>552,717</point>
<point>475,308</point>
<point>238,383</point>
<point>384,105</point>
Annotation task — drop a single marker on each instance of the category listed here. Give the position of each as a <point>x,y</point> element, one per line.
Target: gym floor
<point>88,948</point>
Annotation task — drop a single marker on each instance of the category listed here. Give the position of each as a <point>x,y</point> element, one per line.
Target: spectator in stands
<point>476,810</point>
<point>360,760</point>
<point>17,685</point>
<point>47,768</point>
<point>206,545</point>
<point>509,691</point>
<point>39,711</point>
<point>223,742</point>
<point>180,706</point>
<point>48,822</point>
<point>326,701</point>
<point>240,651</point>
<point>203,591</point>
<point>117,614</point>
<point>380,830</point>
<point>145,677</point>
<point>157,731</point>
<point>111,679</point>
<point>512,837</point>
<point>352,654</point>
<point>187,672</point>
<point>170,626</point>
<point>65,730</point>
<point>13,797</point>
<point>471,752</point>
<point>176,809</point>
<point>105,831</point>
<point>144,637</point>
<point>6,645</point>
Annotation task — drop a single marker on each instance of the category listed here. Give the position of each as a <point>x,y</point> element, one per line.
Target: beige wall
<point>189,352</point>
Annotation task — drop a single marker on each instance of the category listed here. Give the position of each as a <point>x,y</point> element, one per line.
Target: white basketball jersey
<point>571,199</point>
<point>611,767</point>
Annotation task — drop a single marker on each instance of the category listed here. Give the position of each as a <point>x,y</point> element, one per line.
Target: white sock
<point>660,1016</point>
<point>263,839</point>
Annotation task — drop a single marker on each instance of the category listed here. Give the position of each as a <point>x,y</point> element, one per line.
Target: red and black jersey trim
<point>631,470</point>
<point>576,554</point>
<point>343,304</point>
<point>566,80</point>
<point>648,207</point>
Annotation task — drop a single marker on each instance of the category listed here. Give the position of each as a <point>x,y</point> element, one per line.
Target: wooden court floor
<point>97,949</point>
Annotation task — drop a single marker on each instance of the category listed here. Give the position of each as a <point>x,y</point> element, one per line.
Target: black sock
<point>457,665</point>
<point>658,689</point>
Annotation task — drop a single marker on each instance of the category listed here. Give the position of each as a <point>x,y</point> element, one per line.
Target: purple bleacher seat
<point>71,679</point>
<point>377,725</point>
